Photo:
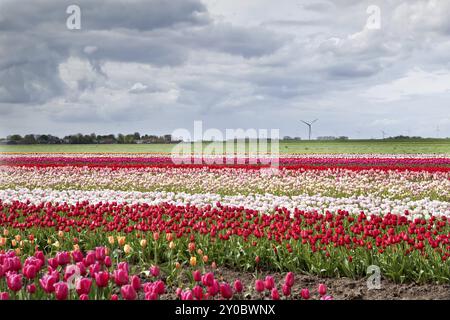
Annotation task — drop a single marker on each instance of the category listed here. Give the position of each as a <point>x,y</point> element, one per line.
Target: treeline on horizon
<point>137,138</point>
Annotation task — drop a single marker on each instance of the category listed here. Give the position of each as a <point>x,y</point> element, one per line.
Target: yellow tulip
<point>127,248</point>
<point>143,243</point>
<point>193,261</point>
<point>111,239</point>
<point>18,237</point>
<point>171,245</point>
<point>76,247</point>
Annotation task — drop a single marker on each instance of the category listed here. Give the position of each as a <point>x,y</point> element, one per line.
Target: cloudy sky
<point>157,65</point>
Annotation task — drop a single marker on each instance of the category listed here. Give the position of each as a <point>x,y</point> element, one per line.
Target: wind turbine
<point>309,124</point>
<point>384,133</point>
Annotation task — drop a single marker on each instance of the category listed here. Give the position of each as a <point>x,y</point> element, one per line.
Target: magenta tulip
<point>269,283</point>
<point>154,270</point>
<point>305,294</point>
<point>128,292</point>
<point>101,279</point>
<point>322,289</point>
<point>259,285</point>
<point>4,296</point>
<point>83,286</point>
<point>61,290</point>
<point>226,291</point>
<point>275,295</point>
<point>238,287</point>
<point>14,282</point>
<point>197,275</point>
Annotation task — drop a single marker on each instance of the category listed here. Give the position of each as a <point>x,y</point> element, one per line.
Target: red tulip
<point>114,297</point>
<point>238,287</point>
<point>275,295</point>
<point>322,289</point>
<point>128,292</point>
<point>101,279</point>
<point>305,294</point>
<point>61,290</point>
<point>226,291</point>
<point>14,282</point>
<point>259,285</point>
<point>83,286</point>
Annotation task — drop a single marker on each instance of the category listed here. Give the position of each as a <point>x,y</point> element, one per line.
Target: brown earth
<point>339,288</point>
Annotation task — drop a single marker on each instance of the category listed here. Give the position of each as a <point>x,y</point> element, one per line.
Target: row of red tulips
<point>288,241</point>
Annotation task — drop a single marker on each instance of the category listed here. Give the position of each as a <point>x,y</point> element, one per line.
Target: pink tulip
<point>154,270</point>
<point>114,297</point>
<point>47,283</point>
<point>77,256</point>
<point>159,287</point>
<point>197,275</point>
<point>322,289</point>
<point>101,279</point>
<point>214,289</point>
<point>53,262</point>
<point>151,296</point>
<point>107,261</point>
<point>128,292</point>
<point>83,286</point>
<point>4,296</point>
<point>40,255</point>
<point>269,282</point>
<point>238,287</point>
<point>286,290</point>
<point>178,291</point>
<point>326,298</point>
<point>84,297</point>
<point>136,283</point>
<point>90,258</point>
<point>208,279</point>
<point>120,277</point>
<point>14,282</point>
<point>123,266</point>
<point>197,292</point>
<point>100,253</point>
<point>275,295</point>
<point>226,291</point>
<point>30,271</point>
<point>82,268</point>
<point>289,280</point>
<point>187,295</point>
<point>63,258</point>
<point>61,290</point>
<point>259,286</point>
<point>305,294</point>
<point>31,288</point>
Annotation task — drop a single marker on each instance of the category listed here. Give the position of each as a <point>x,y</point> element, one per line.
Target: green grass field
<point>435,146</point>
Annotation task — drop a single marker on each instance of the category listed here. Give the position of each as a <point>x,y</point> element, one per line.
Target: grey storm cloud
<point>157,65</point>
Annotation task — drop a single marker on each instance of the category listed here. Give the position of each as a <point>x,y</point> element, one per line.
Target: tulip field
<point>124,226</point>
